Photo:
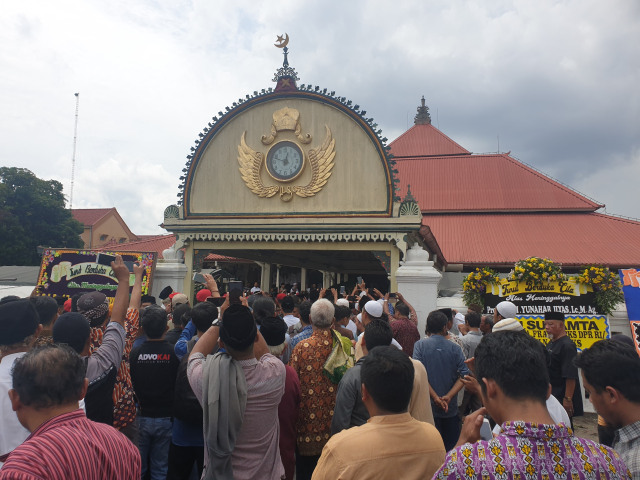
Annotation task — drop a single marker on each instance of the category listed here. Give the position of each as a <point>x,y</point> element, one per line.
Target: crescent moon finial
<point>282,41</point>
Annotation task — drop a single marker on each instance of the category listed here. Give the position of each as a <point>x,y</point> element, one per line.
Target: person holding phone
<point>189,330</point>
<point>243,385</point>
<point>403,323</point>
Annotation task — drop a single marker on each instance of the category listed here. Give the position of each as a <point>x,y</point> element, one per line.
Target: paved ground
<point>586,426</point>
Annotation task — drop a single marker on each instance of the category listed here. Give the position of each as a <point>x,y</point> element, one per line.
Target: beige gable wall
<point>109,226</point>
<point>218,188</point>
<point>86,236</point>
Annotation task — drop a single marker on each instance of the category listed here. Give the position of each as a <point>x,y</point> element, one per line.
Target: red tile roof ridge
<point>222,258</point>
<point>143,238</point>
<point>83,213</point>
<point>572,239</point>
<point>551,180</point>
<point>153,243</point>
<point>443,136</point>
<point>620,218</point>
<point>459,211</point>
<point>147,239</point>
<point>591,205</point>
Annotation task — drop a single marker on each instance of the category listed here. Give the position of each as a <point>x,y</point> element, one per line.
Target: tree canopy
<point>32,213</point>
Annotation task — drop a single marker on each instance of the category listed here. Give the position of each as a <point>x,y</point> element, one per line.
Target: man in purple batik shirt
<point>514,380</point>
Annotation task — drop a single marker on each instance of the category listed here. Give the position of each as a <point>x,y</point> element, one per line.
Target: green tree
<point>32,213</point>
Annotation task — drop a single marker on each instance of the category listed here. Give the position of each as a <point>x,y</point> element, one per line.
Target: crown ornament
<point>286,119</point>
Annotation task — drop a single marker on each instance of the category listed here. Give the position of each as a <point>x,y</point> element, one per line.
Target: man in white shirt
<point>19,328</point>
<point>291,314</point>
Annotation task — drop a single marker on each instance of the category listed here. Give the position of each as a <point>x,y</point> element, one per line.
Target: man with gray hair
<point>47,384</point>
<point>318,392</point>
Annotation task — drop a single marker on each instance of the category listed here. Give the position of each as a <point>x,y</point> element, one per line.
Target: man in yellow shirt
<point>391,441</point>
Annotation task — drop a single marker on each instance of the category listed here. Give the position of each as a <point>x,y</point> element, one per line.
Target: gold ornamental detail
<point>320,159</point>
<point>286,119</point>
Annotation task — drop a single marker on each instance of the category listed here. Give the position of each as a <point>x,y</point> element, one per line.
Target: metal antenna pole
<point>73,158</point>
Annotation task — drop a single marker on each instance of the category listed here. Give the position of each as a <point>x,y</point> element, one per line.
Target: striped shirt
<point>70,447</point>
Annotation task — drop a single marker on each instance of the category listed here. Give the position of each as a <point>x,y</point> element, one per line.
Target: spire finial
<point>286,76</point>
<point>409,196</point>
<point>422,117</point>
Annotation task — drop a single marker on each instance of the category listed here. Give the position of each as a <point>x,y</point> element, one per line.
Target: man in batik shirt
<point>512,371</point>
<point>318,393</point>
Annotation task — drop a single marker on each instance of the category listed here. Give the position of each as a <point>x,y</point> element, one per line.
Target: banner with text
<point>575,300</point>
<point>630,279</point>
<point>65,272</point>
<point>584,330</point>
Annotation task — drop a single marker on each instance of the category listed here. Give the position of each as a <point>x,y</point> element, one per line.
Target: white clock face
<point>284,161</point>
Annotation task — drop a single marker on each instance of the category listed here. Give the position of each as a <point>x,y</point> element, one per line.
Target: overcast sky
<point>557,81</point>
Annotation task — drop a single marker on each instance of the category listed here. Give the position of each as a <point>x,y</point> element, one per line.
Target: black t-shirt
<point>154,366</point>
<point>562,352</point>
<point>173,335</point>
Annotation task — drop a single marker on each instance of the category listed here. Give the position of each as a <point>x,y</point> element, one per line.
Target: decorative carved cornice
<point>292,237</point>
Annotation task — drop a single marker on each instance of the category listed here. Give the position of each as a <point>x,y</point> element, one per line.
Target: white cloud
<point>557,80</point>
<point>615,185</point>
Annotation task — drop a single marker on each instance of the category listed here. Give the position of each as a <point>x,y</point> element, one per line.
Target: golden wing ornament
<point>250,164</point>
<point>321,160</point>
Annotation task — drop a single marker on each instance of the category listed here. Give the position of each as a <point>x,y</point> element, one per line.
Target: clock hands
<point>285,163</point>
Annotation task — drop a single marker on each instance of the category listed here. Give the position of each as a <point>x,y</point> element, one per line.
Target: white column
<point>417,281</point>
<point>303,279</point>
<point>326,279</point>
<point>278,276</point>
<point>265,276</point>
<point>170,271</point>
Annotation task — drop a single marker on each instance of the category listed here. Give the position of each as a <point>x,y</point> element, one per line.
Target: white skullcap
<point>507,309</point>
<point>373,308</point>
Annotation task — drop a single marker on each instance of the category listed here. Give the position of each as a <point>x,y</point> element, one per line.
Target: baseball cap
<point>203,294</point>
<point>178,299</point>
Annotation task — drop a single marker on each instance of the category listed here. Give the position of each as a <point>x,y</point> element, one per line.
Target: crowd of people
<point>302,384</point>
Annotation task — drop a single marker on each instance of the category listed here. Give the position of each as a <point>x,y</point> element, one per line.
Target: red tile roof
<point>159,243</point>
<point>90,216</point>
<point>484,183</point>
<point>572,239</point>
<point>213,257</point>
<point>425,140</point>
<point>149,243</point>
